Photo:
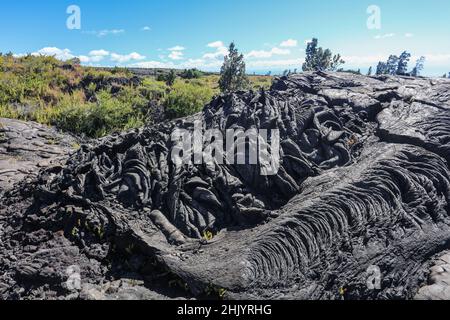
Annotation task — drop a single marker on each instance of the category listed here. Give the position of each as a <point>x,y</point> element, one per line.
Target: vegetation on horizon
<point>96,101</point>
<point>398,65</point>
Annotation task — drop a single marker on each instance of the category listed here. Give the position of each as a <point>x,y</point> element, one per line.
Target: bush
<point>95,120</point>
<point>186,99</point>
<point>153,90</point>
<point>191,74</point>
<point>171,77</point>
<point>8,112</point>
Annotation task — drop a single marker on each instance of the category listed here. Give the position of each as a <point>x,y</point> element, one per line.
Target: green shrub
<point>153,90</point>
<point>186,99</point>
<point>8,112</point>
<point>98,119</point>
<point>191,74</point>
<point>171,77</point>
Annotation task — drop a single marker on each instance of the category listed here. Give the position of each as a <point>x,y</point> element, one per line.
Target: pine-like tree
<point>392,65</point>
<point>381,68</point>
<point>419,67</point>
<point>318,59</point>
<point>232,74</point>
<point>402,65</point>
<point>369,73</point>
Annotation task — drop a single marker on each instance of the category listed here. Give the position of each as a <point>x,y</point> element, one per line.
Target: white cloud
<point>409,35</point>
<point>100,53</point>
<point>219,54</point>
<point>434,59</point>
<point>84,59</point>
<point>60,54</point>
<point>94,56</point>
<point>146,28</point>
<point>188,64</point>
<point>215,44</point>
<point>176,55</point>
<point>290,43</point>
<point>384,36</point>
<point>259,54</point>
<point>283,63</point>
<point>177,48</point>
<point>267,54</point>
<point>364,60</point>
<point>203,64</point>
<point>281,52</point>
<point>106,32</point>
<point>307,41</point>
<point>89,59</point>
<point>126,58</point>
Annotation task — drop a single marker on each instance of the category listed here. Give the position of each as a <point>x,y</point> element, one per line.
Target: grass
<point>95,102</point>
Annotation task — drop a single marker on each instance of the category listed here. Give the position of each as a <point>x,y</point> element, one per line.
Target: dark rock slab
<point>25,147</point>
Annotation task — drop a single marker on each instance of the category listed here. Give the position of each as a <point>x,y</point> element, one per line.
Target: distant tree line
<point>191,74</point>
<point>233,76</point>
<point>398,65</point>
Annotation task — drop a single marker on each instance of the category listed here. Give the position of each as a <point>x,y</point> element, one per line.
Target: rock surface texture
<point>25,147</point>
<point>364,185</point>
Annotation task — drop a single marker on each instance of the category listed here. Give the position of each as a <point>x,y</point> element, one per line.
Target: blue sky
<point>194,33</point>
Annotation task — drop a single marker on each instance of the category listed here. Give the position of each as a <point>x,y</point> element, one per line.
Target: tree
<point>170,78</point>
<point>389,67</point>
<point>402,64</point>
<point>396,65</point>
<point>392,64</point>
<point>318,59</point>
<point>232,73</point>
<point>381,68</point>
<point>369,73</point>
<point>419,67</point>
